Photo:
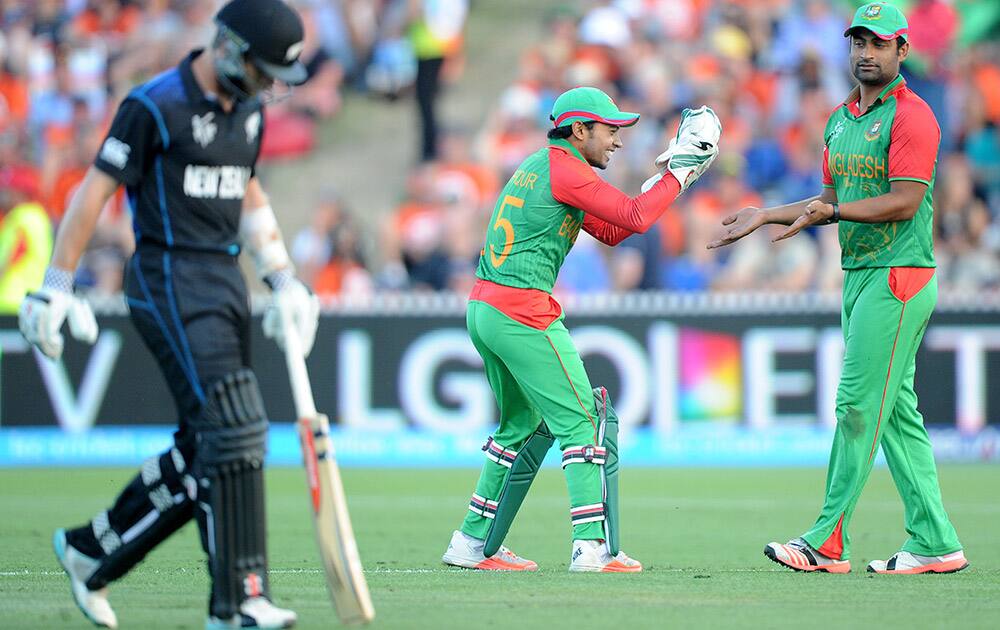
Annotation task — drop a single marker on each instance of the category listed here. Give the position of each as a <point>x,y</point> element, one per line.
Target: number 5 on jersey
<point>504,224</point>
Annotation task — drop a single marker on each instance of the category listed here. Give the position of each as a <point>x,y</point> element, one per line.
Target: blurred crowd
<point>772,69</point>
<point>64,67</point>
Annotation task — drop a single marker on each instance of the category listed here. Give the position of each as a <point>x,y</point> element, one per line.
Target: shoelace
<point>507,554</point>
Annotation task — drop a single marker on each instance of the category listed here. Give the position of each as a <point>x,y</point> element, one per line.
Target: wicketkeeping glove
<point>692,150</point>
<point>43,312</point>
<point>292,300</point>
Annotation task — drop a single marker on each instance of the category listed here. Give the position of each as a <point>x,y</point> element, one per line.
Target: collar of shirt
<point>568,147</point>
<point>852,100</point>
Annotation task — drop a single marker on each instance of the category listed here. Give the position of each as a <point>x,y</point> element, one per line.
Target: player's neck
<point>869,93</point>
<point>204,74</point>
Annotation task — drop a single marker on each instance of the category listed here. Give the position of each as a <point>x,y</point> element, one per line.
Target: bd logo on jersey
<point>203,128</point>
<point>873,131</point>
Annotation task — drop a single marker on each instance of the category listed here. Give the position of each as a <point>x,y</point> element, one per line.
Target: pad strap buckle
<point>586,454</point>
<point>587,514</point>
<point>483,506</point>
<point>496,453</point>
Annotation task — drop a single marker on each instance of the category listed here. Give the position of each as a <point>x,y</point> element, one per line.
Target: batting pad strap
<point>592,513</point>
<point>483,506</point>
<point>107,537</point>
<point>586,454</point>
<point>496,453</point>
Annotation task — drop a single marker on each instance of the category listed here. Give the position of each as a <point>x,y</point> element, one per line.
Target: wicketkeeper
<point>185,146</point>
<point>535,371</point>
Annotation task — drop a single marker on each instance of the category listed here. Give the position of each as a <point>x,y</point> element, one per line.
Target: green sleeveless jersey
<point>896,139</point>
<point>530,232</point>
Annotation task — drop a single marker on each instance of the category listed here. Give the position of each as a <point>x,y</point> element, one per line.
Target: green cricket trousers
<point>885,314</point>
<point>535,374</point>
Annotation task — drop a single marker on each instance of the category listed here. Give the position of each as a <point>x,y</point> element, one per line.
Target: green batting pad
<point>609,423</point>
<point>522,473</point>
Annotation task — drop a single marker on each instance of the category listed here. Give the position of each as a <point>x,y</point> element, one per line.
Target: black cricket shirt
<point>184,161</point>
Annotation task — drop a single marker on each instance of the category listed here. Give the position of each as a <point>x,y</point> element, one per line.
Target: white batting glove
<point>694,148</point>
<point>43,312</point>
<point>292,301</point>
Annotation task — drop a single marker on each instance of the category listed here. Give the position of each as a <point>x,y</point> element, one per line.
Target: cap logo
<point>873,11</point>
<point>294,51</point>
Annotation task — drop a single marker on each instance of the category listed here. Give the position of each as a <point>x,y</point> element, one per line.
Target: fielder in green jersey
<point>878,181</point>
<point>531,363</point>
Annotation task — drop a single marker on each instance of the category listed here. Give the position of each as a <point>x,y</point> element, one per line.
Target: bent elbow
<point>644,226</point>
<point>639,222</point>
<point>908,211</point>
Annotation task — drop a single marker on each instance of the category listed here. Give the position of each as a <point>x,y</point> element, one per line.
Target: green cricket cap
<point>589,103</point>
<point>885,20</point>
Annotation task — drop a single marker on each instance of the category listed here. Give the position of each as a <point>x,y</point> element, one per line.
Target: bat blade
<point>337,546</point>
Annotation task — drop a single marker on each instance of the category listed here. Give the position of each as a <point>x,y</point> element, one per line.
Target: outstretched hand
<point>816,213</point>
<point>740,224</point>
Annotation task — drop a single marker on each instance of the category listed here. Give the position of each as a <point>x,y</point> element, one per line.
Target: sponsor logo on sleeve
<point>115,152</point>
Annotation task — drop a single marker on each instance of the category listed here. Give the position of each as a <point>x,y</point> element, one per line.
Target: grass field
<point>700,534</point>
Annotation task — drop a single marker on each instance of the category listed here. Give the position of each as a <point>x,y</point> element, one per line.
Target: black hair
<point>561,133</point>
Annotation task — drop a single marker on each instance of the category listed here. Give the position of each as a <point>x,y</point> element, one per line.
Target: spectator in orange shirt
<point>110,20</point>
<point>14,98</point>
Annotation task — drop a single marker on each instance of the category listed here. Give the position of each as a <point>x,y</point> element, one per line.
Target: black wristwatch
<point>835,218</point>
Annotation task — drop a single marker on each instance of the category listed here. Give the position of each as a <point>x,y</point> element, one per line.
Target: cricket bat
<point>337,547</point>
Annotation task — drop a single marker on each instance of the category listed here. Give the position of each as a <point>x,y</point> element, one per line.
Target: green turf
<point>700,534</point>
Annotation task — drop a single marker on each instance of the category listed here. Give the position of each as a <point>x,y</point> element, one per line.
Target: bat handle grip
<point>305,406</point>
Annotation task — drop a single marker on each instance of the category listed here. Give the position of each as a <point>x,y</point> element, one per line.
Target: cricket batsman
<point>185,147</point>
<point>879,161</point>
<point>531,363</point>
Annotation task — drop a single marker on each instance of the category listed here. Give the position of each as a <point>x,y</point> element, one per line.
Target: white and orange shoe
<point>592,556</point>
<point>904,562</point>
<point>796,554</point>
<point>467,552</point>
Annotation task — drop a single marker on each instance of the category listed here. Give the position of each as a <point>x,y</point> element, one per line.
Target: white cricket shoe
<point>255,612</point>
<point>467,552</point>
<point>904,562</point>
<point>798,555</point>
<point>593,556</point>
<point>93,604</point>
